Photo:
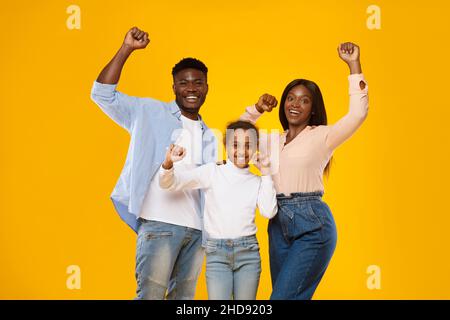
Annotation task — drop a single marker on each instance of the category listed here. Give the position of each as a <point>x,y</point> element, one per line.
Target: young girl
<point>232,193</point>
<point>302,237</point>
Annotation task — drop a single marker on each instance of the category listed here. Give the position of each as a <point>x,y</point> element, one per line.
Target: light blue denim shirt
<point>153,126</point>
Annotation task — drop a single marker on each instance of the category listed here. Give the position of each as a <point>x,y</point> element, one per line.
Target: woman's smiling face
<point>298,105</point>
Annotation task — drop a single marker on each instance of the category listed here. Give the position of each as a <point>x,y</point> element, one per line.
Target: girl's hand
<point>266,103</point>
<point>350,53</point>
<point>174,153</point>
<point>262,162</point>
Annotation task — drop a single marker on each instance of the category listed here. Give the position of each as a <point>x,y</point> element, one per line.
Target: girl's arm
<point>175,180</point>
<point>359,100</point>
<point>267,196</point>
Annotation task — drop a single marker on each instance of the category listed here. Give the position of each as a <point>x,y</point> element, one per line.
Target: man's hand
<point>349,52</point>
<point>266,103</point>
<point>174,154</point>
<point>136,39</point>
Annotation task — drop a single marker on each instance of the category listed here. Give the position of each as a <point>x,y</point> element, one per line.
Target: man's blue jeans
<point>302,239</point>
<point>233,268</point>
<point>168,261</point>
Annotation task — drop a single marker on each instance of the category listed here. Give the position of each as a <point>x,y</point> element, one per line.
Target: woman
<point>302,236</point>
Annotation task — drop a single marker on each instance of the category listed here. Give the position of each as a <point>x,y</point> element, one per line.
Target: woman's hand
<point>266,103</point>
<point>350,53</point>
<point>174,154</point>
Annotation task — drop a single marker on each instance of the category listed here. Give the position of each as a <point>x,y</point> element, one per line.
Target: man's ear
<point>173,88</point>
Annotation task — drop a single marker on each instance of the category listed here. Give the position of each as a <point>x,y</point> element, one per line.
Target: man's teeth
<point>191,98</point>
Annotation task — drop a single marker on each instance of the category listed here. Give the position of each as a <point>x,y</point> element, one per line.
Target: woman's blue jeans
<point>302,239</point>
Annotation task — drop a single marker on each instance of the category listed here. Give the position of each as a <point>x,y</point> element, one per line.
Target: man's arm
<point>134,39</point>
<point>117,105</point>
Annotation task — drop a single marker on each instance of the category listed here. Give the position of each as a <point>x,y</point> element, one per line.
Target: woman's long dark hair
<point>318,112</point>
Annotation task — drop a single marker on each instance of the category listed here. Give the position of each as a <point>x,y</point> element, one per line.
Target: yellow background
<point>60,155</point>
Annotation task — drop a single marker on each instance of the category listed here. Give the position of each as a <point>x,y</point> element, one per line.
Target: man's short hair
<point>189,63</point>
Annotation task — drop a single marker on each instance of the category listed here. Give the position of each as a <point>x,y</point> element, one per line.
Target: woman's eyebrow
<point>301,96</point>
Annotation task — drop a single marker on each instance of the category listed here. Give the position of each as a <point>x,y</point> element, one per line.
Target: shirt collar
<point>231,166</point>
<point>176,111</point>
<point>283,136</point>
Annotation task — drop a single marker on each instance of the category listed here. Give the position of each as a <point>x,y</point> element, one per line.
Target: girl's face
<point>298,106</point>
<point>241,146</point>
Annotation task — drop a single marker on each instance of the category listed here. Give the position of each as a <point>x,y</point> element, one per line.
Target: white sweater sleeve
<point>267,197</point>
<point>175,180</point>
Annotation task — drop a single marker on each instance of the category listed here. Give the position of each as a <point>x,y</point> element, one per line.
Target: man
<point>169,253</point>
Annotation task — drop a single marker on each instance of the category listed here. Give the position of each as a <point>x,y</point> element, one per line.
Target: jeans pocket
<point>153,235</point>
<point>252,246</point>
<point>210,248</point>
<point>305,220</point>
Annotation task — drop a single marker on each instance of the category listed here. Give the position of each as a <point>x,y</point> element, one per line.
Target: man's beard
<point>188,110</point>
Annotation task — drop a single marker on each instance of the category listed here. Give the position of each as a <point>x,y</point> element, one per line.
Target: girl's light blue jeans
<point>233,268</point>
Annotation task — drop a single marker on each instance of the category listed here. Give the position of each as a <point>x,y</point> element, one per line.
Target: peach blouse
<point>302,161</point>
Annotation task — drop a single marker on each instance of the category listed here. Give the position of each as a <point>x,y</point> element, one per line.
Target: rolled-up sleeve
<point>118,106</point>
<point>357,113</point>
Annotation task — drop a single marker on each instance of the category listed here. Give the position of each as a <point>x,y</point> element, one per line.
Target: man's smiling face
<point>190,88</point>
